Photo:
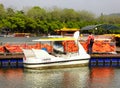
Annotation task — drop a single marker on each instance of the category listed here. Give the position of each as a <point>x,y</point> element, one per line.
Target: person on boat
<point>90,41</point>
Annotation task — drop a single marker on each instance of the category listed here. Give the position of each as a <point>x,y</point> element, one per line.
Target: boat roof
<point>55,39</point>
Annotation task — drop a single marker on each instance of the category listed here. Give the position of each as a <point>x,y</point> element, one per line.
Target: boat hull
<point>57,64</point>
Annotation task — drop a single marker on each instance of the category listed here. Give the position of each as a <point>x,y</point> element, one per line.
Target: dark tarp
<point>89,27</point>
<point>109,27</point>
<point>103,26</point>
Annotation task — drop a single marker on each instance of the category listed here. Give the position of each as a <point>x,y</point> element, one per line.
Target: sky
<point>95,6</point>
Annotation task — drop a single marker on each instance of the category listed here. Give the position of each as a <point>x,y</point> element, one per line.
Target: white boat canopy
<point>54,39</point>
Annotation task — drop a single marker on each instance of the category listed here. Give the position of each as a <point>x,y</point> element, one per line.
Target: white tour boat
<point>39,59</point>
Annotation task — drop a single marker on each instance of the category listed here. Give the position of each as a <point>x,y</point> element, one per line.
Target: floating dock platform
<point>105,60</point>
<point>11,60</point>
<point>16,60</point>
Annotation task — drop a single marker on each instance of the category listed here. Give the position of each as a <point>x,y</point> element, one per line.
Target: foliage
<point>43,21</point>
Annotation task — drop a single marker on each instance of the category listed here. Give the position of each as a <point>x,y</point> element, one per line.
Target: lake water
<point>81,77</point>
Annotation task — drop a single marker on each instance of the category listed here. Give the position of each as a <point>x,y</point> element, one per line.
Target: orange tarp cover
<point>17,48</point>
<point>69,46</point>
<point>2,49</point>
<point>98,46</point>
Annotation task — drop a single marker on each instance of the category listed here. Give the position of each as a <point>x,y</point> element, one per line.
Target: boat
<point>41,59</point>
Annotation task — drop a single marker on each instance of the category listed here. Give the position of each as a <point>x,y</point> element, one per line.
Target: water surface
<point>82,77</point>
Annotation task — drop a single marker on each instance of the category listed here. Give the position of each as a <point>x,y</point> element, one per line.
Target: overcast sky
<point>95,6</point>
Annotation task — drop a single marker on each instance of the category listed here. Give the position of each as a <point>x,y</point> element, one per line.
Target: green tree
<point>10,12</point>
<point>2,12</point>
<point>30,25</point>
<point>36,13</point>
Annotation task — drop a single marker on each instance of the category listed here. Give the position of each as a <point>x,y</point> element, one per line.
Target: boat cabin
<point>66,31</point>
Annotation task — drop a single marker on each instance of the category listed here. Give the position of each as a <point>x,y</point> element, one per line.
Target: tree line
<point>43,21</point>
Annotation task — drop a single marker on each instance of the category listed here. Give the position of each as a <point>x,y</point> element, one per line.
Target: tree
<point>36,13</point>
<point>30,25</point>
<point>68,15</point>
<point>10,12</point>
<point>2,12</point>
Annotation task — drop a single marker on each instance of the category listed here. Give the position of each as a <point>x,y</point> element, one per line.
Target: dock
<point>8,60</point>
<point>11,56</point>
<point>16,59</point>
<point>105,60</point>
<point>21,55</point>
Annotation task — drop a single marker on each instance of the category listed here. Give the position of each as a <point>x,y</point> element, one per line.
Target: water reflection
<point>58,78</point>
<point>81,77</point>
<point>10,78</point>
<point>101,77</point>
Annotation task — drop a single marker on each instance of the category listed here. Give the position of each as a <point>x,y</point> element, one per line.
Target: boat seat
<point>28,53</point>
<point>41,54</point>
